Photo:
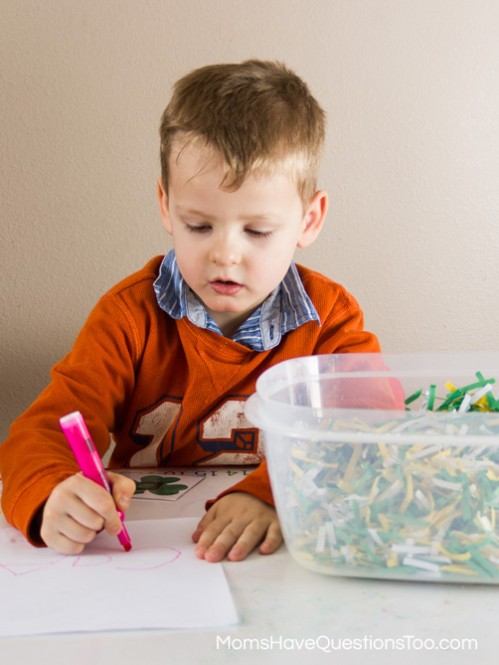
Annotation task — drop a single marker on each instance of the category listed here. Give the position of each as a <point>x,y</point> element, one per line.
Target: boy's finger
<point>70,500</point>
<point>209,521</point>
<point>216,540</point>
<point>101,502</point>
<point>70,532</point>
<point>62,544</point>
<point>273,539</point>
<point>123,489</point>
<point>248,540</point>
<point>76,532</point>
<point>203,523</point>
<point>236,545</point>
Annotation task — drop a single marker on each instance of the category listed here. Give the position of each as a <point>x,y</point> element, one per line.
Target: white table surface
<point>280,605</point>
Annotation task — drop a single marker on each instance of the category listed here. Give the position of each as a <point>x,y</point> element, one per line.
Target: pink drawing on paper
<point>27,560</point>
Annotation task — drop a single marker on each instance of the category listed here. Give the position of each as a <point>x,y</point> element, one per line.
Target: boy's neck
<point>232,325</point>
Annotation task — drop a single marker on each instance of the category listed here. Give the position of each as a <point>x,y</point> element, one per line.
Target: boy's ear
<point>313,219</point>
<point>164,208</point>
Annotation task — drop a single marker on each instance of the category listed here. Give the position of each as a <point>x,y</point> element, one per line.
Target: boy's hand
<point>234,526</point>
<point>78,509</point>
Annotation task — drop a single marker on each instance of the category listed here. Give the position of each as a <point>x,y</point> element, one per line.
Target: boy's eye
<point>258,234</point>
<point>198,228</point>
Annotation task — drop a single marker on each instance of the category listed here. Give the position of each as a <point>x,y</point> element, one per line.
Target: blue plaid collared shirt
<point>286,308</point>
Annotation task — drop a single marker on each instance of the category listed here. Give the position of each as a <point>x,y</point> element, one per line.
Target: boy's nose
<point>225,253</point>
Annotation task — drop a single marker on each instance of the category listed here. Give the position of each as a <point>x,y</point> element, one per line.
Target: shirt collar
<point>288,307</point>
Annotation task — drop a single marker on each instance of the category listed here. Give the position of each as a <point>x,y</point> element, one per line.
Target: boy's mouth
<point>225,287</point>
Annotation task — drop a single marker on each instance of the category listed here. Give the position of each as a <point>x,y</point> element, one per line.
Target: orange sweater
<point>170,393</point>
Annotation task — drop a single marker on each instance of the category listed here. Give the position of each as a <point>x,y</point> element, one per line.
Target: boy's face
<point>234,247</point>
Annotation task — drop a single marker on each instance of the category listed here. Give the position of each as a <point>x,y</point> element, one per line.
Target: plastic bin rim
<point>292,430</point>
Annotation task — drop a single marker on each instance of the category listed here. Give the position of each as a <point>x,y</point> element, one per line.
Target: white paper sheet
<point>158,584</point>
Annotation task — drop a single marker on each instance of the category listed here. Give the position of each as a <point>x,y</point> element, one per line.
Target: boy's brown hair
<point>259,115</point>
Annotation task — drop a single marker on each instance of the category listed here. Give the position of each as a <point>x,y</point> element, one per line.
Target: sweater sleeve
<point>94,378</point>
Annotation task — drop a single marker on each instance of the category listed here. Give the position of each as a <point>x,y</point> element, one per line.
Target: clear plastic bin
<point>386,466</point>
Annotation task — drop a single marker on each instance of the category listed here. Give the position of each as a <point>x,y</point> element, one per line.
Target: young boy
<point>168,357</point>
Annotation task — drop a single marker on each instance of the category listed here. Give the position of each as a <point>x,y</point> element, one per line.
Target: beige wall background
<point>411,88</point>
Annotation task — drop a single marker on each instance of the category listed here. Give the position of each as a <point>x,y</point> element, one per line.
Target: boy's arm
<point>94,378</point>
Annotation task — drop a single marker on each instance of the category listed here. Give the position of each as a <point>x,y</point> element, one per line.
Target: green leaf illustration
<point>159,485</point>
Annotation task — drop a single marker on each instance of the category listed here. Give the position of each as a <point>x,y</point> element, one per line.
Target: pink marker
<point>78,436</point>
